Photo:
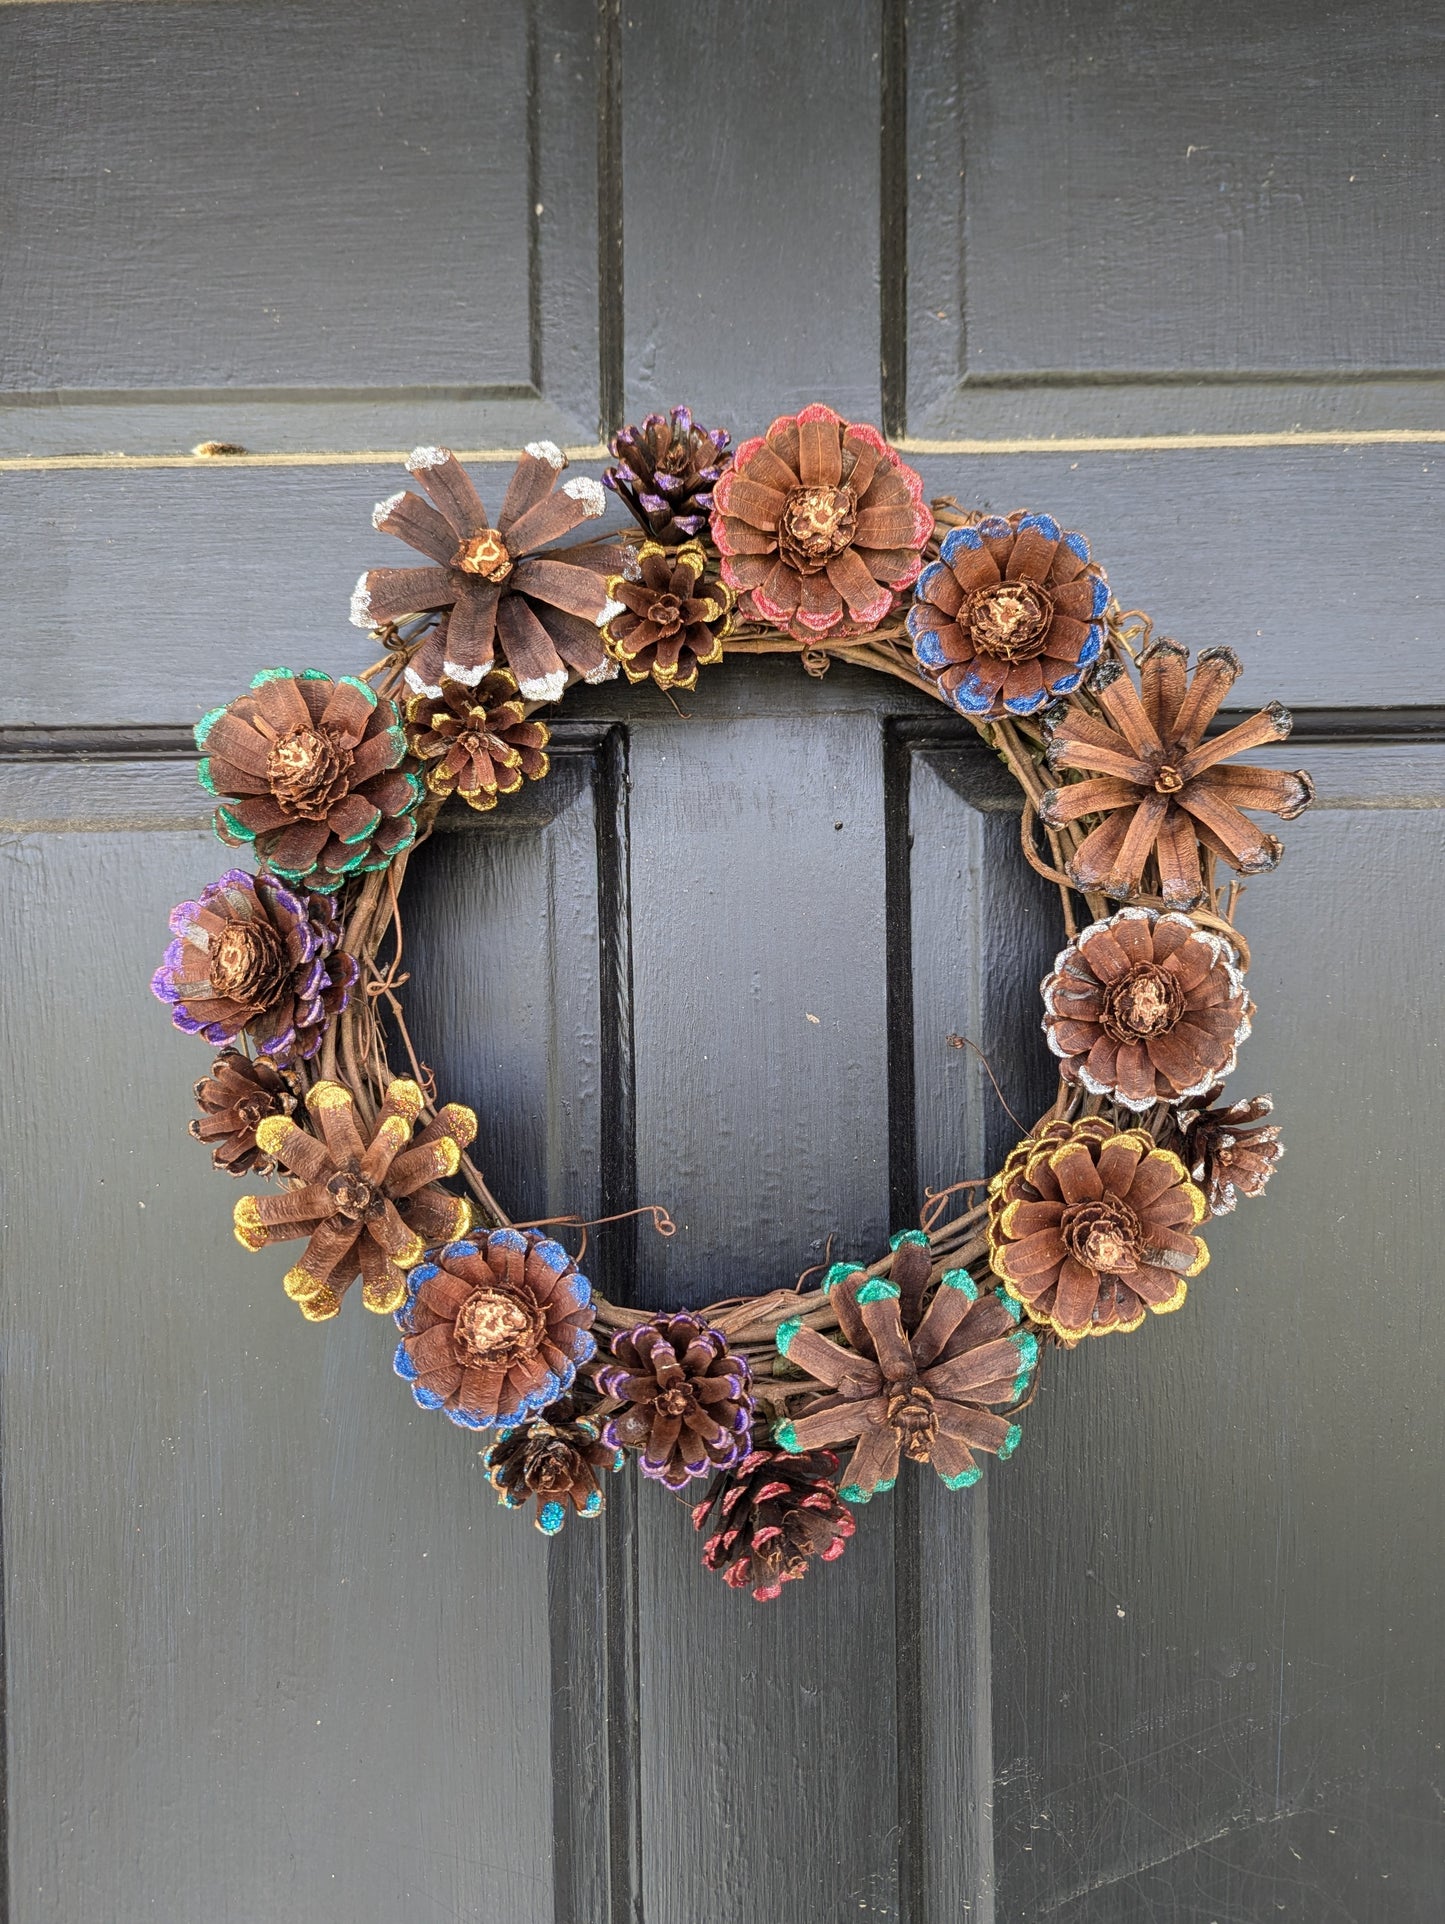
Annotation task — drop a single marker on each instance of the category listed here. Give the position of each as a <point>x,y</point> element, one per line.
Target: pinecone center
<point>494,1329</point>
<point>250,1110</point>
<point>676,1401</point>
<point>552,1465</point>
<point>307,770</point>
<point>1010,620</point>
<point>248,963</point>
<point>816,524</point>
<point>665,614</point>
<point>1147,1002</point>
<point>1103,1235</point>
<point>485,555</point>
<point>913,1414</point>
<point>1167,779</point>
<point>481,741</point>
<point>676,459</point>
<point>352,1196</point>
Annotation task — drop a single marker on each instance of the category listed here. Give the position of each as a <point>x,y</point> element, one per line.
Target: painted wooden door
<point>1171,273</point>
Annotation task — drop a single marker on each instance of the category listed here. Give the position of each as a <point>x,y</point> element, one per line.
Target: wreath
<point>780,1413</point>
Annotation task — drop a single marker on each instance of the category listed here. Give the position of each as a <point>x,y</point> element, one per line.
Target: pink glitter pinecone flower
<point>820,526</point>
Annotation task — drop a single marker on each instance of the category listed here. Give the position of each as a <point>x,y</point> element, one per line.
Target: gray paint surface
<point>271,1650</point>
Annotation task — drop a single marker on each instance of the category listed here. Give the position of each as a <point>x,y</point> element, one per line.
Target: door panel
<point>1279,553</point>
<point>216,209</point>
<point>260,1661</point>
<point>272,1651</point>
<point>1216,1680</point>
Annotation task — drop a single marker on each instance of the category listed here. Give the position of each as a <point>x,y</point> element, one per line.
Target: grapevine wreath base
<point>781,1413</point>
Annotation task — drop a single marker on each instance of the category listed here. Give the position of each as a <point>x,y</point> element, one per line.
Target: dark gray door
<point>1171,273</point>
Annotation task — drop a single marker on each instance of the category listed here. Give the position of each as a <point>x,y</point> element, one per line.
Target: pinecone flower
<point>1146,1008</point>
<point>688,1403</point>
<point>820,526</point>
<point>666,471</point>
<point>1010,616</point>
<point>493,1329</point>
<point>915,1379</point>
<point>365,1208</point>
<point>769,1518</point>
<point>478,741</point>
<point>1160,788</point>
<point>250,957</point>
<point>673,617</point>
<point>1089,1227</point>
<point>553,1460</point>
<point>236,1096</point>
<point>541,610</point>
<point>310,771</point>
<point>1230,1151</point>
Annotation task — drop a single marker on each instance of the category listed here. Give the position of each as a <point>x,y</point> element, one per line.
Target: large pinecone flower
<point>1010,616</point>
<point>554,1460</point>
<point>1231,1151</point>
<point>1090,1226</point>
<point>251,957</point>
<point>820,525</point>
<point>236,1096</point>
<point>541,610</point>
<point>477,742</point>
<point>311,770</point>
<point>1146,1008</point>
<point>493,1330</point>
<point>666,471</point>
<point>687,1399</point>
<point>770,1516</point>
<point>673,619</point>
<point>367,1209</point>
<point>1160,787</point>
<point>909,1379</point>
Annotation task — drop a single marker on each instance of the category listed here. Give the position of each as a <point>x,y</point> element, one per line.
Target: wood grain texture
<point>252,187</point>
<point>1252,187</point>
<point>1220,546</point>
<point>1217,1682</point>
<point>232,1695</point>
<point>751,222</point>
<point>314,206</point>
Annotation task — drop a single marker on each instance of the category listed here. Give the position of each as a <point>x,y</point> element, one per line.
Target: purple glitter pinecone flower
<point>665,473</point>
<point>687,1399</point>
<point>254,956</point>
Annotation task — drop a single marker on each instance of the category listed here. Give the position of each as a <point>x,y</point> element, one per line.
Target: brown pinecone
<point>235,1096</point>
<point>554,1459</point>
<point>367,1209</point>
<point>770,1516</point>
<point>494,1329</point>
<point>912,1376</point>
<point>1146,1008</point>
<point>1229,1151</point>
<point>673,618</point>
<point>308,769</point>
<point>1090,1226</point>
<point>1160,789</point>
<point>665,473</point>
<point>478,741</point>
<point>509,590</point>
<point>688,1400</point>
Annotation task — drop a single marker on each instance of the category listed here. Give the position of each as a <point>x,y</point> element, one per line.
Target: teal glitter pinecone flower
<point>309,770</point>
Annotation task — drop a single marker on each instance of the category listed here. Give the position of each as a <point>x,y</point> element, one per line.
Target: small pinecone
<point>688,1400</point>
<point>235,1096</point>
<point>665,473</point>
<point>1230,1151</point>
<point>770,1517</point>
<point>477,742</point>
<point>554,1458</point>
